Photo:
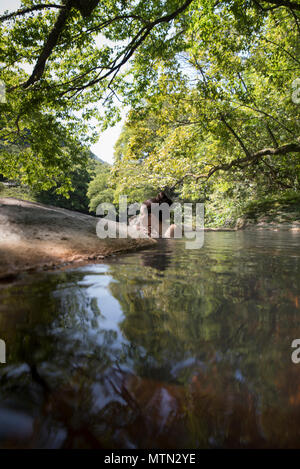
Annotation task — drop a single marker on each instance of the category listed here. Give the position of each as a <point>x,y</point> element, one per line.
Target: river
<point>162,348</point>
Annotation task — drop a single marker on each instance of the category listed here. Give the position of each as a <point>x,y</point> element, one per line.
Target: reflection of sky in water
<point>111,312</point>
<point>97,323</point>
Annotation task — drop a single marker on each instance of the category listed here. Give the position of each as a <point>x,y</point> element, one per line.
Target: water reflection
<point>159,259</point>
<point>165,348</point>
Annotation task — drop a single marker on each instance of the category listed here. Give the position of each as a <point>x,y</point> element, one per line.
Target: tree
<point>57,100</point>
<point>77,199</point>
<point>98,190</point>
<point>76,51</point>
<point>220,118</point>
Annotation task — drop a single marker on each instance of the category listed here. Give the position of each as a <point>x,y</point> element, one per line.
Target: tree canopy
<point>220,121</point>
<point>209,85</point>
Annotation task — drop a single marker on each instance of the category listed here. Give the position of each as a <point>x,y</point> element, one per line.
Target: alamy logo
<point>2,351</point>
<point>296,91</point>
<point>296,353</point>
<point>2,92</point>
<point>154,221</point>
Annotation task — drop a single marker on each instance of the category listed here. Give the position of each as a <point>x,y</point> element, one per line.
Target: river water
<point>163,348</point>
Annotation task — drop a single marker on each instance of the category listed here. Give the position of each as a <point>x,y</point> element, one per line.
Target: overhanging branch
<point>24,11</point>
<point>243,162</point>
<point>53,38</point>
<point>49,45</point>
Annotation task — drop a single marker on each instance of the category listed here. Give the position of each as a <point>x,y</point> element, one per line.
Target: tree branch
<point>254,157</point>
<point>24,11</point>
<point>271,133</point>
<point>274,176</point>
<point>236,136</point>
<point>114,69</point>
<point>281,3</point>
<point>282,48</point>
<point>49,45</point>
<point>243,162</point>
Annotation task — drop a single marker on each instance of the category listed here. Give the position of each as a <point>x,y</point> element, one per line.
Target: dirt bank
<point>34,235</point>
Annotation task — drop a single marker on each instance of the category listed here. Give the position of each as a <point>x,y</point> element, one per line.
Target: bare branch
<point>283,150</point>
<point>254,157</point>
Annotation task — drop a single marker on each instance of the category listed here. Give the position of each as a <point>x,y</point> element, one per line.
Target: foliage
<point>77,199</point>
<point>98,190</point>
<point>219,125</point>
<point>58,62</point>
<point>41,159</point>
<point>289,203</point>
<point>18,192</point>
<point>209,87</point>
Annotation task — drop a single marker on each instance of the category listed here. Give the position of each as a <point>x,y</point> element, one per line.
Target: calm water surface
<point>164,348</point>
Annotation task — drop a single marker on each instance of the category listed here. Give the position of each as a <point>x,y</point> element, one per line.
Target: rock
<point>240,224</point>
<point>34,235</point>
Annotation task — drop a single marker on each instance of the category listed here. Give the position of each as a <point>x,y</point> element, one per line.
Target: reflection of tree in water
<point>63,363</point>
<point>212,313</point>
<point>157,259</point>
<point>204,359</point>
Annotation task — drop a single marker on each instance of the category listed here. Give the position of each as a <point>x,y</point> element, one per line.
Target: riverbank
<point>276,213</point>
<point>36,236</point>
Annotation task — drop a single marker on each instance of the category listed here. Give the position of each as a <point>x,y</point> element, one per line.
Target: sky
<point>104,148</point>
